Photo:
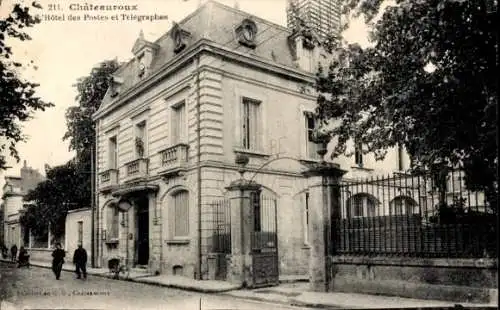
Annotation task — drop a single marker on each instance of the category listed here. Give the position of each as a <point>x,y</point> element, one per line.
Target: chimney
<point>237,4</point>
<point>25,165</point>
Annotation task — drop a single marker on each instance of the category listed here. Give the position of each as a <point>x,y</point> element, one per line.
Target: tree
<point>52,198</point>
<point>91,90</point>
<point>428,82</point>
<point>68,186</point>
<point>18,98</point>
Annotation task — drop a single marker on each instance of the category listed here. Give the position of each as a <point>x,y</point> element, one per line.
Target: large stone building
<point>219,84</point>
<point>14,189</point>
<point>321,15</point>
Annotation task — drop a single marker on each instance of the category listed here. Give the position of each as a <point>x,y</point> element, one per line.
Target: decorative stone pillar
<point>242,218</point>
<point>324,206</point>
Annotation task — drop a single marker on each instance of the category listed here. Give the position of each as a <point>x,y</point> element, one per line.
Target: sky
<point>63,51</point>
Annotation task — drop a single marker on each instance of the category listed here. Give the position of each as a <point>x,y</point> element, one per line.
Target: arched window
<point>361,205</point>
<point>113,221</point>
<point>403,205</point>
<point>179,214</point>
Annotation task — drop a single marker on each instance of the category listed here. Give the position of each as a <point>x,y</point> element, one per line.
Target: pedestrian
<point>13,252</point>
<point>80,261</point>
<point>58,260</point>
<point>24,258</point>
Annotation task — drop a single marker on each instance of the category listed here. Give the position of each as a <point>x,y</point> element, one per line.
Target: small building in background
<point>78,230</point>
<point>15,188</point>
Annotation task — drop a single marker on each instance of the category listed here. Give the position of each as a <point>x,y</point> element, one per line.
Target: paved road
<point>37,288</point>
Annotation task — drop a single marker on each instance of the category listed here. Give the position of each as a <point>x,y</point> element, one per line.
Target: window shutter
<point>254,126</point>
<point>245,124</point>
<point>180,220</point>
<point>182,123</point>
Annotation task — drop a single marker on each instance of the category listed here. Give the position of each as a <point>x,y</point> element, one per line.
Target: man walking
<point>13,253</point>
<point>80,261</point>
<point>58,260</point>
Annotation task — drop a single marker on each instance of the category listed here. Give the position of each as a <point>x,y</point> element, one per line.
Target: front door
<point>142,231</point>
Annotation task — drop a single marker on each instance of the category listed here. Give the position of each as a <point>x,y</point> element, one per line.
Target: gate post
<point>324,206</point>
<point>240,260</point>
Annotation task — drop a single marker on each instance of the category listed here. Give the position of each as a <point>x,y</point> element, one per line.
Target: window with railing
<point>113,153</point>
<point>179,123</point>
<point>311,145</point>
<point>360,205</point>
<point>358,154</point>
<point>403,205</point>
<point>140,140</point>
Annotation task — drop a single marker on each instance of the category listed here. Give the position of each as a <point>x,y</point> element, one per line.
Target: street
<point>37,288</point>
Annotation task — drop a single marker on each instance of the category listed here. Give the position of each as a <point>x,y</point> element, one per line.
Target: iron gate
<point>264,241</point>
<point>221,236</point>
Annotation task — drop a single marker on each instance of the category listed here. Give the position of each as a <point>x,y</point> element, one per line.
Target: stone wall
<point>465,280</point>
<point>71,231</point>
<point>42,255</point>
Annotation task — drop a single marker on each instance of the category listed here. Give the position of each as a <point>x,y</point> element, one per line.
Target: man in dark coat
<point>13,252</point>
<point>24,258</point>
<point>80,261</point>
<point>58,260</point>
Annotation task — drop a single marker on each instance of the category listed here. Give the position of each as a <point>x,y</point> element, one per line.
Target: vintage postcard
<point>247,154</point>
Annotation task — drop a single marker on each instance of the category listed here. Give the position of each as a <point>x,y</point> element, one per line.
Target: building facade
<point>321,15</point>
<point>13,204</point>
<point>219,84</point>
<point>78,230</point>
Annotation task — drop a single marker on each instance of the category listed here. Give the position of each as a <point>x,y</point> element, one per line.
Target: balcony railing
<point>136,169</point>
<point>174,158</point>
<point>108,178</point>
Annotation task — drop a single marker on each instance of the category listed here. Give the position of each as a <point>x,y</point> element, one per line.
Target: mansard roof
<point>215,23</point>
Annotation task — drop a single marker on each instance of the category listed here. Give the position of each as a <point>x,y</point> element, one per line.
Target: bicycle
<point>118,267</point>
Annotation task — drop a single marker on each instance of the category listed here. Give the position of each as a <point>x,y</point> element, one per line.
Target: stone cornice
<point>243,184</point>
<point>324,169</point>
<point>10,194</point>
<point>245,79</point>
<point>126,189</point>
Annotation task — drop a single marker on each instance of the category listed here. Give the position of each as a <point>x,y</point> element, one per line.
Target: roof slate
<point>215,22</point>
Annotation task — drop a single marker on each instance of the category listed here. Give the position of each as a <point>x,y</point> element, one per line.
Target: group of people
<point>58,255</point>
<point>22,259</point>
<point>79,260</point>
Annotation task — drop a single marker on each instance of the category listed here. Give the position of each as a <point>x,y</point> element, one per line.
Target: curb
<point>254,298</point>
<point>185,288</point>
<point>140,280</point>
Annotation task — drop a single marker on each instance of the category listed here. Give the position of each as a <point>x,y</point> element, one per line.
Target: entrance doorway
<point>264,239</point>
<point>142,235</point>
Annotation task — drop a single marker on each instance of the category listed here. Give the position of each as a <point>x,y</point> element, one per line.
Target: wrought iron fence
<point>220,227</point>
<point>421,215</point>
<point>264,235</point>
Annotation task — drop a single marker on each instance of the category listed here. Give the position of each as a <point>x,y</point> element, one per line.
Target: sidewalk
<point>206,286</point>
<point>297,295</point>
<point>290,292</point>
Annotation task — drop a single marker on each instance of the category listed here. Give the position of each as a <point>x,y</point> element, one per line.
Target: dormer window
<point>144,52</point>
<point>180,37</point>
<point>142,70</point>
<point>246,33</point>
<point>114,85</point>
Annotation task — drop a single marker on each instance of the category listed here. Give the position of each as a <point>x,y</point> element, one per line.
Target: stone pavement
<point>288,293</point>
